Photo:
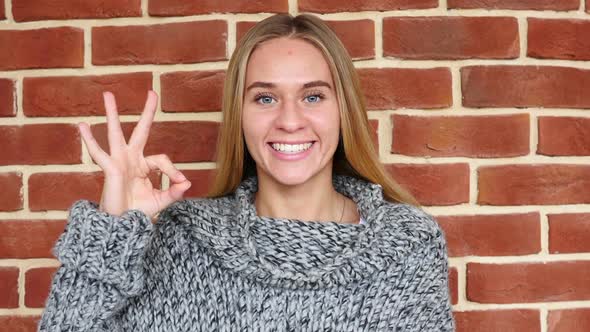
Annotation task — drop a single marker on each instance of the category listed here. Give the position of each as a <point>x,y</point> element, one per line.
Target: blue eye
<point>314,97</point>
<point>264,99</point>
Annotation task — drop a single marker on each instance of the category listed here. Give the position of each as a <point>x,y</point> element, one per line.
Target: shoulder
<point>192,222</point>
<point>415,237</point>
<point>412,224</point>
<point>195,212</point>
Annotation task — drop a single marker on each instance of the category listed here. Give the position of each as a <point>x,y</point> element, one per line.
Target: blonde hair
<point>355,155</point>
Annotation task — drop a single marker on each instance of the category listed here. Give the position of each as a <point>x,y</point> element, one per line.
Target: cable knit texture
<point>213,264</point>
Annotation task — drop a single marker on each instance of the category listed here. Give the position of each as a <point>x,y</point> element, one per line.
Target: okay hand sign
<point>126,170</point>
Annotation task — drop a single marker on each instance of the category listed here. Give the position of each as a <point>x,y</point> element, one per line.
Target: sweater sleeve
<point>425,288</point>
<point>101,267</point>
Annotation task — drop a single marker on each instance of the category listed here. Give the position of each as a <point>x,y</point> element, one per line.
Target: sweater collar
<point>292,253</point>
<point>367,196</point>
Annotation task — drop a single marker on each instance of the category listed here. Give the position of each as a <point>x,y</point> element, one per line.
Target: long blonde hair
<point>355,155</point>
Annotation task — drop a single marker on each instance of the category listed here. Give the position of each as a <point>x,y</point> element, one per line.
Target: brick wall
<point>480,108</point>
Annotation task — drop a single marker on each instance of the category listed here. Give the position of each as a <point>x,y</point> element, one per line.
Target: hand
<point>126,170</point>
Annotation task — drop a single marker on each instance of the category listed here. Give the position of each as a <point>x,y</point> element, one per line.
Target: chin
<point>290,178</point>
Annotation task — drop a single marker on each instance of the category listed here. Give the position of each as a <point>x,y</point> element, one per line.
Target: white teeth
<point>291,148</point>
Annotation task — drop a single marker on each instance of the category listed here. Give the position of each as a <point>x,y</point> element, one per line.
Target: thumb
<point>174,193</point>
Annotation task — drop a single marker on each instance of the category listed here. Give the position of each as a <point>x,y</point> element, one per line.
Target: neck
<point>314,200</point>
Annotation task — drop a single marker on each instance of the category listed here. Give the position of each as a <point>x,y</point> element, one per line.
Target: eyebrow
<point>311,84</point>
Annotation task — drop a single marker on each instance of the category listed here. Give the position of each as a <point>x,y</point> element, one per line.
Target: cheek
<point>249,130</point>
<point>254,127</point>
<point>329,123</point>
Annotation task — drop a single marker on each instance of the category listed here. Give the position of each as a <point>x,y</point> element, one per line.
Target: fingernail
<point>181,177</point>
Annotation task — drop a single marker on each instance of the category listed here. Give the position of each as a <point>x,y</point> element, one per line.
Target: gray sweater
<point>213,264</point>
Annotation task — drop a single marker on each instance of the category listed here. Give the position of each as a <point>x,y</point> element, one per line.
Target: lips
<point>293,156</point>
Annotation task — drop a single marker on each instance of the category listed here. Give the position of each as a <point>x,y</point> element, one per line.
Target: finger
<point>141,131</point>
<point>96,152</point>
<point>163,163</point>
<point>115,133</point>
<point>174,193</point>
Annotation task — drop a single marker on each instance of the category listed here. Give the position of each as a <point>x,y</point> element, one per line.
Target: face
<point>290,118</point>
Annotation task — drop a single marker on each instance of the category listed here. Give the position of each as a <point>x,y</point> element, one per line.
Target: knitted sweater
<point>213,264</point>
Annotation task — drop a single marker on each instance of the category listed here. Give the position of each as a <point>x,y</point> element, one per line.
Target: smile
<point>291,148</point>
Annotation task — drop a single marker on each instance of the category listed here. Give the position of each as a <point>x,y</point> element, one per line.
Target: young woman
<point>303,229</point>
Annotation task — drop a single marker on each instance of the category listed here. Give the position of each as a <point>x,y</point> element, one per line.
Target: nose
<point>290,117</point>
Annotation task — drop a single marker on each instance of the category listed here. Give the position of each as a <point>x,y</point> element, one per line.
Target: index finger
<point>142,129</point>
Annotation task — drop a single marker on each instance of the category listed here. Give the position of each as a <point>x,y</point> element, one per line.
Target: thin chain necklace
<point>343,205</point>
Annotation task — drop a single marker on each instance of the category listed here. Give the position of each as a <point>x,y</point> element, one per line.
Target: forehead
<point>287,60</point>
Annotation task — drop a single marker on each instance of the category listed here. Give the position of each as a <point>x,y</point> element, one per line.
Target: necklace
<point>343,205</point>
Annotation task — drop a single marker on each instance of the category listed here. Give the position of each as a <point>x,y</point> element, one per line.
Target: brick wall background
<point>481,108</point>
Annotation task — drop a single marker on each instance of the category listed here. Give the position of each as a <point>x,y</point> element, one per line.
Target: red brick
<point>358,36</point>
<point>557,5</point>
<point>8,287</point>
<point>533,184</point>
<point>434,184</point>
<point>564,136</point>
<point>11,198</point>
<point>568,320</point>
<point>471,136</point>
<point>176,43</point>
<point>454,285</point>
<point>558,39</point>
<point>477,235</point>
<point>19,323</point>
<point>569,233</point>
<point>528,282</point>
<point>525,86</point>
<point>40,144</point>
<point>7,98</point>
<point>29,238</point>
<point>181,141</point>
<point>587,6</point>
<point>37,286</point>
<point>333,6</point>
<point>82,95</point>
<point>2,11</point>
<point>192,91</point>
<point>58,191</point>
<point>23,10</point>
<point>450,37</point>
<point>197,7</point>
<point>243,27</point>
<point>388,88</point>
<point>61,47</point>
<point>201,182</point>
<point>491,320</point>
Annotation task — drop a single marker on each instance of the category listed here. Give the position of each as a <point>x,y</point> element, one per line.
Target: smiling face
<point>290,104</point>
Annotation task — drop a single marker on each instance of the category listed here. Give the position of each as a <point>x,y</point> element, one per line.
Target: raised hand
<point>126,170</point>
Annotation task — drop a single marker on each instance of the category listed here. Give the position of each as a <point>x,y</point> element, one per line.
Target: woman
<point>303,229</point>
